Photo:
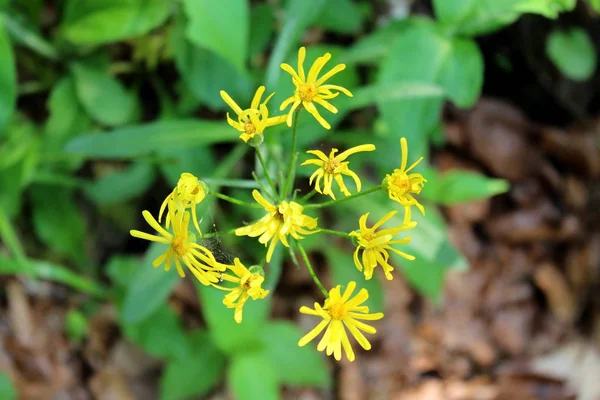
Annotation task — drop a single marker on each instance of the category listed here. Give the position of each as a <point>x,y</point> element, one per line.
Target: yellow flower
<point>340,312</point>
<point>401,185</point>
<point>310,89</point>
<point>182,247</point>
<point>254,120</point>
<point>188,193</point>
<point>280,221</point>
<point>333,168</point>
<point>249,283</point>
<point>375,245</point>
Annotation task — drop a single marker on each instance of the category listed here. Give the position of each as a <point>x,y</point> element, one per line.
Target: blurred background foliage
<point>103,103</point>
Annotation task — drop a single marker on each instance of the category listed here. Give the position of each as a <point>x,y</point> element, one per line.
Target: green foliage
<point>138,140</point>
<point>456,187</point>
<point>76,325</point>
<point>296,366</point>
<point>159,334</point>
<point>573,53</point>
<point>8,78</point>
<point>196,373</point>
<point>220,26</point>
<point>104,98</point>
<point>252,376</point>
<point>341,16</point>
<point>95,22</point>
<point>149,289</point>
<point>595,4</point>
<point>121,186</point>
<point>58,222</point>
<point>7,389</point>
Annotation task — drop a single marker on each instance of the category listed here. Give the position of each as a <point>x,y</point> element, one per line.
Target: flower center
<point>399,182</point>
<point>331,165</point>
<point>338,311</point>
<point>307,91</point>
<point>178,245</point>
<point>249,127</point>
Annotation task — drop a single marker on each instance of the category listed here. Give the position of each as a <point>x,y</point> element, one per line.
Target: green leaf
<point>122,270</point>
<point>342,16</point>
<point>197,160</point>
<point>136,140</point>
<point>8,77</point>
<point>262,24</point>
<point>456,187</point>
<point>220,26</point>
<point>229,336</point>
<point>150,289</point>
<point>453,12</point>
<point>462,72</point>
<point>344,271</point>
<point>103,97</point>
<point>196,373</point>
<point>296,366</point>
<point>252,376</point>
<point>299,14</point>
<point>160,334</point>
<point>76,325</point>
<point>121,186</point>
<point>595,4</point>
<point>371,48</point>
<point>67,117</point>
<point>58,222</point>
<point>95,22</point>
<point>573,53</point>
<point>7,389</point>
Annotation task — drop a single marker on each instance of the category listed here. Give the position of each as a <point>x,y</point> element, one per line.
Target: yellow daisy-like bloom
<point>188,193</point>
<point>249,283</point>
<point>182,247</point>
<point>310,89</point>
<point>333,167</point>
<point>340,312</point>
<point>254,120</point>
<point>401,185</point>
<point>281,220</point>
<point>375,245</point>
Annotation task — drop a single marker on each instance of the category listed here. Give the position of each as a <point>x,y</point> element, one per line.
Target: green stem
<point>213,234</point>
<point>333,202</point>
<point>264,166</point>
<point>235,201</point>
<point>291,170</point>
<point>335,233</point>
<point>307,196</point>
<point>311,271</point>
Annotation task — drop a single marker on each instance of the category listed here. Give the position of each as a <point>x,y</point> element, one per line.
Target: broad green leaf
<point>122,270</point>
<point>95,22</point>
<point>205,73</point>
<point>343,270</point>
<point>45,270</point>
<point>299,14</point>
<point>67,117</point>
<point>229,336</point>
<point>252,376</point>
<point>103,97</point>
<point>595,4</point>
<point>143,139</point>
<point>58,221</point>
<point>8,78</point>
<point>296,366</point>
<point>220,26</point>
<point>262,24</point>
<point>456,187</point>
<point>486,16</point>
<point>160,334</point>
<point>196,373</point>
<point>151,287</point>
<point>122,185</point>
<point>341,16</point>
<point>371,48</point>
<point>76,325</point>
<point>453,12</point>
<point>461,74</point>
<point>197,160</point>
<point>573,53</point>
<point>7,389</point>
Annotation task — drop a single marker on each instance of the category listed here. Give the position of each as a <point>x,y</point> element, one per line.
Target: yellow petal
<point>234,106</point>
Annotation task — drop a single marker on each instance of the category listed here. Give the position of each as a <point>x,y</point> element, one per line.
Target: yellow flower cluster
<point>284,217</point>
